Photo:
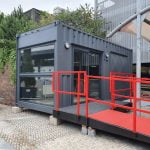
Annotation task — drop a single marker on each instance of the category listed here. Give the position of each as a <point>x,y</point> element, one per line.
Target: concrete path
<point>30,130</point>
<point>5,146</point>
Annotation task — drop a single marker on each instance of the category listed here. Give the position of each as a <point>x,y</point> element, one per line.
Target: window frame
<point>36,73</point>
<point>32,74</point>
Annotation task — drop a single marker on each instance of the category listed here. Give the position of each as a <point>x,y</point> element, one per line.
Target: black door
<point>90,62</point>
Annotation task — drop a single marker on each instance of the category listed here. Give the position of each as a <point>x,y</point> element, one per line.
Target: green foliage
<point>12,65</point>
<point>1,16</point>
<point>16,22</point>
<point>11,25</point>
<point>8,56</point>
<point>83,18</point>
<point>46,18</point>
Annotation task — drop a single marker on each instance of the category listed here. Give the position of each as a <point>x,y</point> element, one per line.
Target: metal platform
<point>94,108</point>
<point>106,115</point>
<point>110,121</point>
<point>121,124</point>
<point>123,120</point>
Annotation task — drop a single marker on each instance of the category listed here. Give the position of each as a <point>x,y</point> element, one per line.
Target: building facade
<point>58,47</point>
<point>33,14</point>
<point>115,13</point>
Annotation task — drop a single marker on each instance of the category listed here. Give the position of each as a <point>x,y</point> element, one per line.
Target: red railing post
<point>78,94</point>
<point>134,104</point>
<point>113,90</point>
<point>110,80</point>
<point>130,89</point>
<point>87,96</point>
<point>57,91</point>
<point>85,74</point>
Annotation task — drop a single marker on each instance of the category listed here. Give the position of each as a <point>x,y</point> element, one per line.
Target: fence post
<point>112,89</point>
<point>78,94</point>
<point>87,95</point>
<point>134,81</point>
<point>57,91</point>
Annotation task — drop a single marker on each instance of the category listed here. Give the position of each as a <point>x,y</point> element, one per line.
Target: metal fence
<point>114,91</point>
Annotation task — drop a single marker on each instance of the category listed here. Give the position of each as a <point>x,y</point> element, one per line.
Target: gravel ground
<point>5,146</point>
<point>31,131</point>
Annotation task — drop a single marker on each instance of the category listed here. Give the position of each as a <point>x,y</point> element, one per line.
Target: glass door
<point>94,70</point>
<point>90,62</point>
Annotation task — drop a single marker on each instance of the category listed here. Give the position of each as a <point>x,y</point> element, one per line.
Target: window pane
<point>37,59</point>
<point>37,90</point>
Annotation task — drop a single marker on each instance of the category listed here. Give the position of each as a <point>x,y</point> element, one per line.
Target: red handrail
<point>56,87</point>
<point>130,79</point>
<point>115,93</point>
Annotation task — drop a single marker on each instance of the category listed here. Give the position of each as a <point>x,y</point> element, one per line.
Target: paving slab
<point>30,130</point>
<point>5,146</point>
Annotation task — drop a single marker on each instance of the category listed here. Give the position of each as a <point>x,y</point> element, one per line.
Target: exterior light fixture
<point>107,55</point>
<point>67,45</point>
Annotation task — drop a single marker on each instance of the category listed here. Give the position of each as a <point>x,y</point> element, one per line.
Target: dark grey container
<point>111,58</point>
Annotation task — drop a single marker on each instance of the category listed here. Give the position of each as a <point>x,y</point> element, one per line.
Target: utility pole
<point>138,51</point>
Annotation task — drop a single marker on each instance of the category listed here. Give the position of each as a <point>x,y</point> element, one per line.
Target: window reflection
<point>37,59</point>
<point>37,90</point>
<point>89,62</point>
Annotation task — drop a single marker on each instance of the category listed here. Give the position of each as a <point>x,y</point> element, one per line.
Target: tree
<point>15,23</point>
<point>8,56</point>
<point>11,25</point>
<point>82,18</point>
<point>46,18</point>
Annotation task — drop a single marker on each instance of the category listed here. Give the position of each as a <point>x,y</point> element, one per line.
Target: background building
<point>33,14</point>
<point>119,12</point>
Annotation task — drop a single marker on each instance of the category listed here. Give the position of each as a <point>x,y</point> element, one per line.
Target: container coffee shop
<point>69,73</point>
<point>58,47</point>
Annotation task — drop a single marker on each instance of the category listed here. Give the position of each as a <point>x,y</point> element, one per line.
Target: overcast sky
<point>7,6</point>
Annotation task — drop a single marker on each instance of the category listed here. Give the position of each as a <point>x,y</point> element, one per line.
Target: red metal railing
<point>115,93</point>
<point>133,82</point>
<point>56,87</point>
<point>123,76</point>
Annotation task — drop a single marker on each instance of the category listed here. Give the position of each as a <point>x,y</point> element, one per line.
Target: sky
<point>6,6</point>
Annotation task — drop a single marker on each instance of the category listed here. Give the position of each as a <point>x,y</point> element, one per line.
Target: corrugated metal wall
<point>129,40</point>
<point>117,11</point>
